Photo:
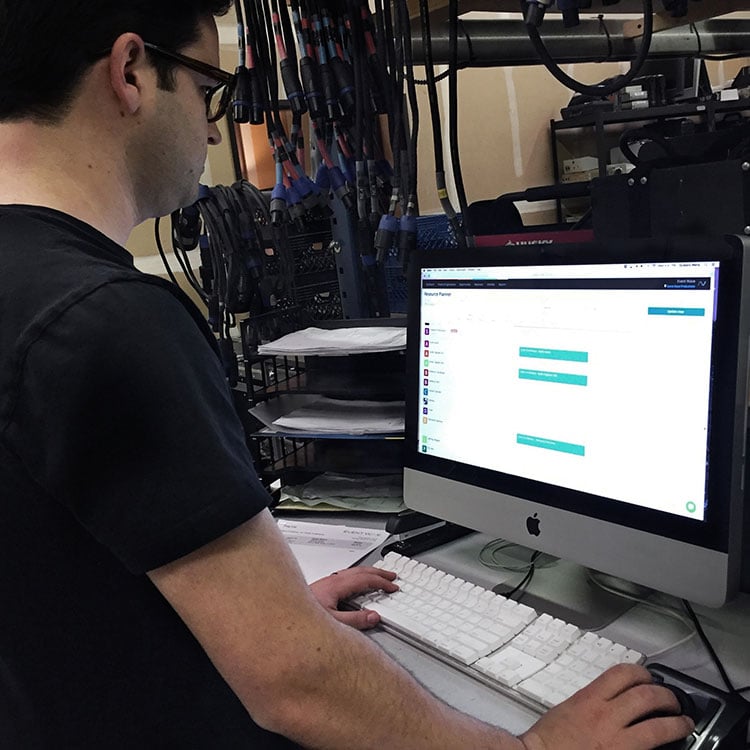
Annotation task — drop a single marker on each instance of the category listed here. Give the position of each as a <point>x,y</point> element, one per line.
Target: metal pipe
<point>485,43</point>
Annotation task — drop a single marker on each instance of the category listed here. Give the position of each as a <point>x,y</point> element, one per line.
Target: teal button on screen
<point>551,445</point>
<point>695,312</point>
<point>564,355</point>
<point>553,377</point>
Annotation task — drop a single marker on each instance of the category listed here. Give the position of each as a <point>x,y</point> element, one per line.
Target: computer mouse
<point>687,704</point>
<point>687,707</point>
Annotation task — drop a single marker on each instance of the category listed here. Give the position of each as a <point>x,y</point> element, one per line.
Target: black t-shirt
<point>120,451</point>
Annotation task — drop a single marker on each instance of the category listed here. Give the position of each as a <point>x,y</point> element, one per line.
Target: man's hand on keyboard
<point>329,591</point>
<point>608,713</point>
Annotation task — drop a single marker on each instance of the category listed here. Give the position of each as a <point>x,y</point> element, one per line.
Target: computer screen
<point>588,401</point>
<point>686,78</point>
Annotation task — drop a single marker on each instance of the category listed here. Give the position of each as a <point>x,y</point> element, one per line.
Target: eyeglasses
<point>217,97</point>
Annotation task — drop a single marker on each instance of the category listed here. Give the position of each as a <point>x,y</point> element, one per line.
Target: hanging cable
<point>601,89</point>
<point>406,240</point>
<point>160,248</point>
<point>436,128</point>
<point>708,646</point>
<point>453,117</point>
<point>288,65</point>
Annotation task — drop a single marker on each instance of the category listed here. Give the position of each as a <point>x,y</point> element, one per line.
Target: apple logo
<point>532,525</point>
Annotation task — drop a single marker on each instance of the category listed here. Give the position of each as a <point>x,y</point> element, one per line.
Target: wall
<point>504,140</point>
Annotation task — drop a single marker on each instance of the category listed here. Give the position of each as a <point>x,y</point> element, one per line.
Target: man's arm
<point>301,673</point>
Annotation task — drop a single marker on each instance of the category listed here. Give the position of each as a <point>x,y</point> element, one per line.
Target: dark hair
<point>47,45</point>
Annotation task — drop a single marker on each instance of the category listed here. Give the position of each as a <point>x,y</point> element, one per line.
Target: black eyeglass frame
<point>226,80</point>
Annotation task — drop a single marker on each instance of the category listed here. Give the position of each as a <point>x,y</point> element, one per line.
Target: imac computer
<point>586,401</point>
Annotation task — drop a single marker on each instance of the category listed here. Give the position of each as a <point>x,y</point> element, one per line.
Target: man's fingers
<point>659,732</point>
<point>646,700</point>
<point>617,680</point>
<point>362,619</point>
<point>389,574</point>
<point>361,582</point>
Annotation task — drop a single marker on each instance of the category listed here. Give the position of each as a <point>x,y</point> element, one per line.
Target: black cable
<point>183,262</point>
<point>459,66</point>
<point>241,42</point>
<point>268,53</point>
<point>585,216</point>
<point>694,29</point>
<point>387,44</point>
<point>412,97</point>
<point>599,90</point>
<point>709,647</point>
<point>453,116</point>
<point>288,33</point>
<point>383,58</point>
<point>526,580</point>
<point>256,46</point>
<point>160,248</point>
<point>440,77</point>
<point>437,139</point>
<point>358,57</point>
<point>397,123</point>
<point>182,258</point>
<point>603,27</point>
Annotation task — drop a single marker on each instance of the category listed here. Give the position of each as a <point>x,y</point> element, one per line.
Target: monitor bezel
<point>714,532</point>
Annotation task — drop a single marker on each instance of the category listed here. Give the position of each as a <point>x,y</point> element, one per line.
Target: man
<point>147,599</point>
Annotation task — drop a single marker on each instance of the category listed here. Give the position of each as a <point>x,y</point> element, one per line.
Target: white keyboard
<point>534,658</point>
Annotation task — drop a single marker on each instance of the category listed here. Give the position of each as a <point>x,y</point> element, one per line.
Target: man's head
<point>46,46</point>
<point>107,108</point>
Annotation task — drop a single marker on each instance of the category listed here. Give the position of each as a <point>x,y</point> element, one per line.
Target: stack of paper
<point>319,415</point>
<point>331,491</point>
<point>338,341</point>
<point>322,549</point>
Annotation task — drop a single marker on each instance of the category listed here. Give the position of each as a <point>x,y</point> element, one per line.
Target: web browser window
<point>595,378</point>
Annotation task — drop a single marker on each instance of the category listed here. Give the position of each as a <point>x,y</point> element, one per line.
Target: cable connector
<point>313,87</point>
<point>385,236</point>
<point>243,96</point>
<point>257,111</point>
<point>342,189</point>
<point>406,241</point>
<point>320,204</point>
<point>293,87</point>
<point>569,10</point>
<point>345,82</point>
<point>296,209</point>
<point>278,208</point>
<point>535,10</point>
<point>307,191</point>
<point>187,226</point>
<point>323,178</point>
<point>330,90</point>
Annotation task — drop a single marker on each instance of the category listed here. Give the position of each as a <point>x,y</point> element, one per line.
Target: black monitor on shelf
<point>685,78</point>
<point>588,401</point>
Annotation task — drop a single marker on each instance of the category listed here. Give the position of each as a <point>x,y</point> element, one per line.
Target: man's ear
<point>127,62</point>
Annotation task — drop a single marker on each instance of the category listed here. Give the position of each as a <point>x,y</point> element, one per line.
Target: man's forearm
<point>359,692</point>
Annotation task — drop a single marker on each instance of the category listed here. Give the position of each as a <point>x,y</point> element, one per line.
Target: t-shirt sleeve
<point>124,416</point>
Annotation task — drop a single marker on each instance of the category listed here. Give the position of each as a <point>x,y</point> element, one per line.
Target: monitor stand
<point>565,590</point>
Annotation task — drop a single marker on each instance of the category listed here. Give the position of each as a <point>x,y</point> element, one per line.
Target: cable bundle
<point>246,264</point>
<point>346,69</point>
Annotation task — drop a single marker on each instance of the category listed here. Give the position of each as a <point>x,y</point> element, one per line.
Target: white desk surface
<point>727,628</point>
